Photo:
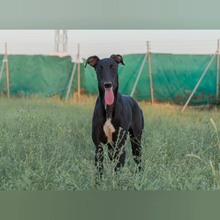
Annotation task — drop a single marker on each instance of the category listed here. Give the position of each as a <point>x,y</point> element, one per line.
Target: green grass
<point>45,145</point>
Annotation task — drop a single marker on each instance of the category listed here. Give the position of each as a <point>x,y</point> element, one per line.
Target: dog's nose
<point>107,85</point>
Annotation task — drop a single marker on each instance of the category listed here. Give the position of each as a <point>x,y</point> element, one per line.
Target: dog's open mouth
<point>109,96</point>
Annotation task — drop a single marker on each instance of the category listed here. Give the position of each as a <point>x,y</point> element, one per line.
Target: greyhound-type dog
<point>115,115</point>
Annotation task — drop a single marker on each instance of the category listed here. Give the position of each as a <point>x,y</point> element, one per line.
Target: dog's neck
<point>109,111</point>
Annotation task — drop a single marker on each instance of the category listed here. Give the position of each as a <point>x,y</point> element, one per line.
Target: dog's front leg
<point>99,157</point>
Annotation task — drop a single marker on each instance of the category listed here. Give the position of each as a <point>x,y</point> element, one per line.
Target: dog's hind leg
<point>136,149</point>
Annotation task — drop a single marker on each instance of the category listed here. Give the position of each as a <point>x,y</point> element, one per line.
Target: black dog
<point>115,115</point>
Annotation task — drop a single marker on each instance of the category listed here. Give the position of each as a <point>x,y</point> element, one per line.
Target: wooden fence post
<point>78,55</point>
<point>71,79</point>
<point>150,73</point>
<point>217,73</point>
<point>7,72</point>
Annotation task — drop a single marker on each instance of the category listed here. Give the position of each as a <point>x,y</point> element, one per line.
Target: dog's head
<point>107,75</point>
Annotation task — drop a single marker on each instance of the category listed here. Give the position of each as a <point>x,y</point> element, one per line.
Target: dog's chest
<point>109,130</point>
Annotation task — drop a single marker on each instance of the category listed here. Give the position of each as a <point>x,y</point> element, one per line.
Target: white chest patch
<point>108,129</point>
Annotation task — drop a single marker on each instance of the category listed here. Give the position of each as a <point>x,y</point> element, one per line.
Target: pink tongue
<point>109,96</point>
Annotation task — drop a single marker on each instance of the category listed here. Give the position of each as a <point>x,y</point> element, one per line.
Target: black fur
<point>125,114</point>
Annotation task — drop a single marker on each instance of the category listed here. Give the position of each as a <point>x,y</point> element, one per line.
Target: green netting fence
<point>174,77</point>
<point>38,75</point>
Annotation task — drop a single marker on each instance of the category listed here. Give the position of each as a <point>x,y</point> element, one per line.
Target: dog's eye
<point>100,67</point>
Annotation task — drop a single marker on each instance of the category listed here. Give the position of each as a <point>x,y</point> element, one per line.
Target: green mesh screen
<point>174,77</point>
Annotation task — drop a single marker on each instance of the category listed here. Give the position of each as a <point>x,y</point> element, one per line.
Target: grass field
<point>46,145</point>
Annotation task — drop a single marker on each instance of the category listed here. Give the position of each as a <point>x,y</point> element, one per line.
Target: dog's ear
<point>92,61</point>
<point>118,58</point>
